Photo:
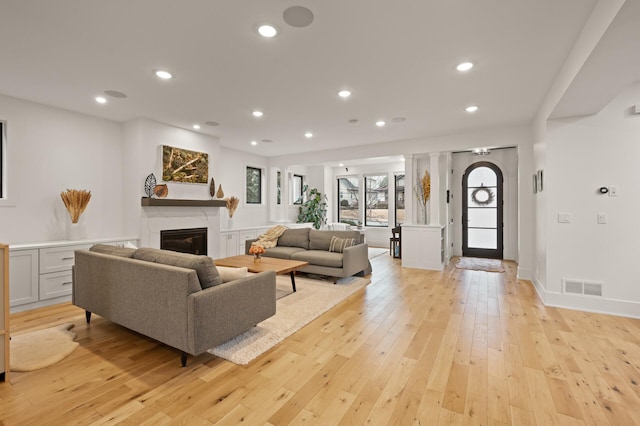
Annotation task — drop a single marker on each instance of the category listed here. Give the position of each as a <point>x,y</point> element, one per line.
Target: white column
<point>409,182</point>
<point>434,204</point>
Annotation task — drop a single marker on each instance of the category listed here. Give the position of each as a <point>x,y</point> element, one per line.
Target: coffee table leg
<point>293,280</point>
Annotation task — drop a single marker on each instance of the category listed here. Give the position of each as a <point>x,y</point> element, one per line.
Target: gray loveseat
<point>177,299</point>
<point>314,246</point>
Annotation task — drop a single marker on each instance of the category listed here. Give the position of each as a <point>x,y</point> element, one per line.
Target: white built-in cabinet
<point>40,273</point>
<point>232,242</point>
<point>423,247</point>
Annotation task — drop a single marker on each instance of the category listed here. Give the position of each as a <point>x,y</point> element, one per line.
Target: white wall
<point>507,161</point>
<point>231,173</point>
<point>142,155</point>
<point>583,155</point>
<point>51,150</point>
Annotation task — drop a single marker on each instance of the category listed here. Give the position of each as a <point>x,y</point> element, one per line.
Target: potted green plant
<point>313,208</point>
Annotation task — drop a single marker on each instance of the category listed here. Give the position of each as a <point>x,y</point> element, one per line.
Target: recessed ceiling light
<point>257,113</point>
<point>115,94</point>
<point>165,75</point>
<point>267,31</point>
<point>471,108</point>
<point>308,135</point>
<point>344,93</point>
<point>464,66</point>
<point>254,143</point>
<point>381,123</point>
<point>341,165</point>
<point>101,99</point>
<point>196,126</point>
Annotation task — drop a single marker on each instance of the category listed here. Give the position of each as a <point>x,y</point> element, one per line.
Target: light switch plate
<point>602,218</point>
<point>564,217</point>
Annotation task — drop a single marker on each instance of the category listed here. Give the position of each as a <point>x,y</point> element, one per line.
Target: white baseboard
<point>598,305</point>
<point>524,274</point>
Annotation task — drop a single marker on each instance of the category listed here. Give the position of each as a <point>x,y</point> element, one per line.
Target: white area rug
<point>42,348</point>
<point>377,251</point>
<point>294,311</point>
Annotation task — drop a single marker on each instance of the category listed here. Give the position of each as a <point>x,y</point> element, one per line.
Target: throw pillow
<point>230,274</point>
<point>337,245</point>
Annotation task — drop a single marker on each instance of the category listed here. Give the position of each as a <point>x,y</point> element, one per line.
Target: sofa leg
<point>183,359</point>
<point>87,315</point>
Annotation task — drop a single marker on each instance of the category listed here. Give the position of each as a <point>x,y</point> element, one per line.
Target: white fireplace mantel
<point>156,219</point>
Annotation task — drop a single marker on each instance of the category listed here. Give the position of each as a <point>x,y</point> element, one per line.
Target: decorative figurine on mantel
<point>212,188</point>
<point>220,193</point>
<point>150,185</point>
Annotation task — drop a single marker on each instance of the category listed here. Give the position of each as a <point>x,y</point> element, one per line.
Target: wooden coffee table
<point>280,266</point>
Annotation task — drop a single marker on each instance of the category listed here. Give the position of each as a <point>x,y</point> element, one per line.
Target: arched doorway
<point>482,211</point>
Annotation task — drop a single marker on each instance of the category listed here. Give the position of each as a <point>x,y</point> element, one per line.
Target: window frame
<point>366,194</point>
<point>297,199</point>
<point>395,196</point>
<point>358,178</point>
<point>260,185</point>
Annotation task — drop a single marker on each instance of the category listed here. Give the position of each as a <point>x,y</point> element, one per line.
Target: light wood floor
<point>414,348</point>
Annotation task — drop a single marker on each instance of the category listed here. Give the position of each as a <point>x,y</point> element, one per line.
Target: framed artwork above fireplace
<point>183,165</point>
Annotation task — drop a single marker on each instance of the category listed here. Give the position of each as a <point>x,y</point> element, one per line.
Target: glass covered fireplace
<point>192,240</point>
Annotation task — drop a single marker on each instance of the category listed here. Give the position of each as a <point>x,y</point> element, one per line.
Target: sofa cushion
<point>337,245</point>
<point>113,250</point>
<point>321,240</point>
<point>319,258</point>
<point>230,274</point>
<point>282,252</point>
<point>203,265</point>
<point>295,238</point>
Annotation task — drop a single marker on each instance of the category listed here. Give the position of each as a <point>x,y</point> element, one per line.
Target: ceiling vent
<point>587,288</point>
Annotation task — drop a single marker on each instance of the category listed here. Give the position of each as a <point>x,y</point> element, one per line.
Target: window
<point>377,201</point>
<point>399,188</point>
<point>348,201</point>
<point>254,185</point>
<point>279,186</point>
<point>297,189</point>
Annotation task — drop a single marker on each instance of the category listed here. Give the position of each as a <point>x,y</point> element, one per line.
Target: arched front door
<point>482,211</point>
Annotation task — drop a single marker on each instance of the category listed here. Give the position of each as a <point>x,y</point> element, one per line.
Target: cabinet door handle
<point>67,258</point>
<point>67,283</point>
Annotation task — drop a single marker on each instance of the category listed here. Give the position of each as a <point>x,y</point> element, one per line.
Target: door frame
<point>498,252</point>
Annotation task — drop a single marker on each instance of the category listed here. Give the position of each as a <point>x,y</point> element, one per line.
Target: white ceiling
<point>398,58</point>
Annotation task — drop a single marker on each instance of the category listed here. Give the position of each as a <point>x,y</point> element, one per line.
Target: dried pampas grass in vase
<point>232,205</point>
<point>76,201</point>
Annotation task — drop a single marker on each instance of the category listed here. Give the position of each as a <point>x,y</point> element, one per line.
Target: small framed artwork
<point>535,184</point>
<point>540,181</point>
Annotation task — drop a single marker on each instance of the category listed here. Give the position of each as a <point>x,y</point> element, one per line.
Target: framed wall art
<point>183,165</point>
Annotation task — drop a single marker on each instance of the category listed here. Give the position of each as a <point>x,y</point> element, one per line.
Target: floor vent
<point>589,288</point>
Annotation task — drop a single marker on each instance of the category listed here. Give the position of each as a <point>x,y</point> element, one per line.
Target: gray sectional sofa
<point>175,298</point>
<point>314,246</point>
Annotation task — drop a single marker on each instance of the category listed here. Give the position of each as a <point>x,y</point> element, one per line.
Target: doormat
<point>478,264</point>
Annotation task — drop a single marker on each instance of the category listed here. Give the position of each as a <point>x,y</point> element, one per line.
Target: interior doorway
<point>482,211</point>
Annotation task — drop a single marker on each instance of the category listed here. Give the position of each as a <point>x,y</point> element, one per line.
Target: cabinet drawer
<point>55,284</point>
<point>58,259</point>
<point>245,235</point>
